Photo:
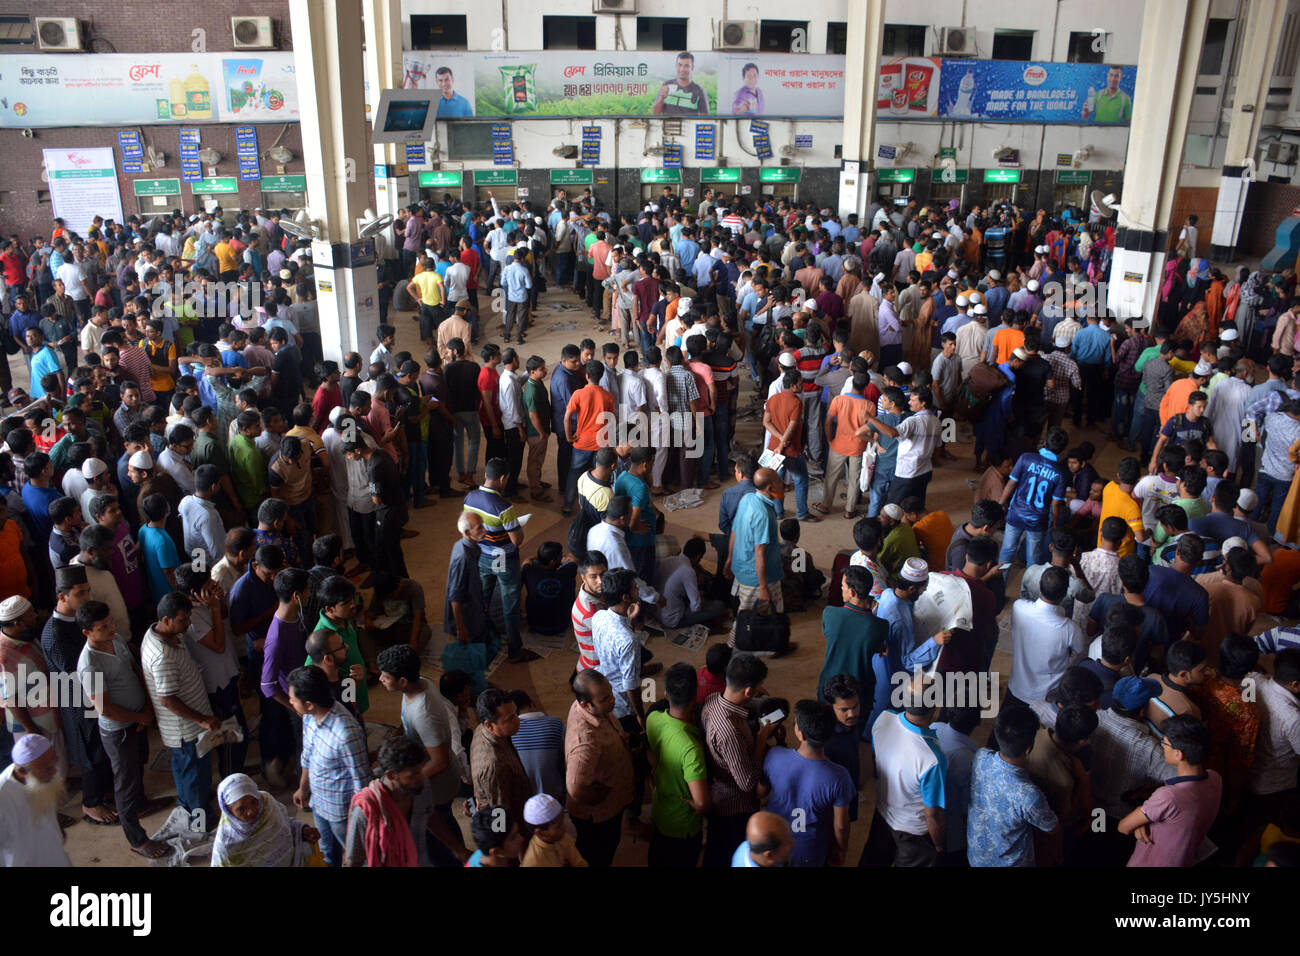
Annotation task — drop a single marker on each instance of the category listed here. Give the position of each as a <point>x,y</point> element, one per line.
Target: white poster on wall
<point>83,185</point>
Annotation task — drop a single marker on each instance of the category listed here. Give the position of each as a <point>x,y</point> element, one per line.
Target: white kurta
<point>27,838</point>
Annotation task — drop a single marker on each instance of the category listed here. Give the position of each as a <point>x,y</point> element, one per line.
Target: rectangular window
<point>903,39</point>
<point>469,140</point>
<point>1087,47</point>
<point>438,32</point>
<point>661,33</point>
<point>1214,47</point>
<point>1013,44</point>
<point>837,38</point>
<point>569,33</point>
<point>778,36</point>
<point>17,31</point>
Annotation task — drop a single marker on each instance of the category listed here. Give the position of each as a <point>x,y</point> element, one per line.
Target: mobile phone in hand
<point>772,718</point>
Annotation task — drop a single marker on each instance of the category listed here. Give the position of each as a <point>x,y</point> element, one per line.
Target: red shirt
<point>488,380</point>
<point>591,404</point>
<point>326,399</point>
<point>470,258</point>
<point>786,407</point>
<point>709,684</point>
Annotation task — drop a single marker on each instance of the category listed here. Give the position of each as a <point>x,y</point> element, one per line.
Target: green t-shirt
<point>680,759</point>
<point>899,545</point>
<point>349,635</point>
<point>536,399</point>
<point>248,471</point>
<point>1113,109</point>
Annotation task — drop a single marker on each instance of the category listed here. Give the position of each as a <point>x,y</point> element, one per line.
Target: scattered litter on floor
<point>690,638</point>
<point>686,498</point>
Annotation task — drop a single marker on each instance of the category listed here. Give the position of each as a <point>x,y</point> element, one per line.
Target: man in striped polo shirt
<point>591,569</point>
<point>498,563</point>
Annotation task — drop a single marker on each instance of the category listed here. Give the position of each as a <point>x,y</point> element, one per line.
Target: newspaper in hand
<point>770,459</point>
<point>230,733</point>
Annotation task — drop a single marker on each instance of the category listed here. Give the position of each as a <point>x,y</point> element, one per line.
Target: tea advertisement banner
<point>112,89</point>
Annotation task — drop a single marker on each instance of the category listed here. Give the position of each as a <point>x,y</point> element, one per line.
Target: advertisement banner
<point>909,88</point>
<point>591,84</point>
<point>124,89</point>
<point>998,90</point>
<point>83,185</point>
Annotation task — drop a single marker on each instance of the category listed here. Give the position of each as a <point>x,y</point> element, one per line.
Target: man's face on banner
<point>446,84</point>
<point>685,66</point>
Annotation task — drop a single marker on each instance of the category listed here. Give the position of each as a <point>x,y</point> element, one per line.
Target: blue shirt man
<point>1039,481</point>
<point>755,525</point>
<point>995,300</point>
<point>1005,808</point>
<point>44,361</point>
<point>454,107</point>
<point>1091,345</point>
<point>516,281</point>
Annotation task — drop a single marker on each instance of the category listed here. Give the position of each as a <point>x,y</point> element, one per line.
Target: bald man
<point>31,790</point>
<point>768,842</point>
<point>464,612</point>
<point>754,556</point>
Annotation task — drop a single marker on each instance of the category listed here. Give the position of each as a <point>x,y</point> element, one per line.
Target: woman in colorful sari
<point>256,829</point>
<point>1214,301</point>
<point>1232,295</point>
<point>1195,326</point>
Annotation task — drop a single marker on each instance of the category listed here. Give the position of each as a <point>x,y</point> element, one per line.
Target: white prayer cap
<point>1230,335</point>
<point>337,412</point>
<point>905,368</point>
<point>684,304</point>
<point>1032,285</point>
<point>1233,542</point>
<point>1062,339</point>
<point>11,609</point>
<point>981,309</point>
<point>787,360</point>
<point>92,468</point>
<point>892,511</point>
<point>962,300</point>
<point>995,275</point>
<point>30,748</point>
<point>1247,500</point>
<point>915,570</point>
<point>540,809</point>
<point>142,460</point>
<point>1202,368</point>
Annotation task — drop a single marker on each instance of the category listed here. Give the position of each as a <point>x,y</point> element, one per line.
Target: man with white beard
<point>31,791</point>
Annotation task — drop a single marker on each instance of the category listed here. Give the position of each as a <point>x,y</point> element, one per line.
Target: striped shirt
<point>540,744</point>
<point>583,608</point>
<point>499,520</point>
<point>682,390</point>
<point>733,771</point>
<point>135,365</point>
<point>334,755</point>
<point>170,671</point>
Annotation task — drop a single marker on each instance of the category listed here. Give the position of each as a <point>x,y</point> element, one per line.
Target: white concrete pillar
<point>383,57</point>
<point>1168,57</point>
<point>1263,32</point>
<point>328,64</point>
<point>861,87</point>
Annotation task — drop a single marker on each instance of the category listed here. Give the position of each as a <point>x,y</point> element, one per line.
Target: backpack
<point>586,519</point>
<point>976,393</point>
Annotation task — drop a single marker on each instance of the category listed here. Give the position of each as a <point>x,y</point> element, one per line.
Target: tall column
<point>383,20</point>
<point>1263,32</point>
<point>1168,58</point>
<point>866,30</point>
<point>328,64</point>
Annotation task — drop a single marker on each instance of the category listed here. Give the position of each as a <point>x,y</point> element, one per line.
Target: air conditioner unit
<point>614,6</point>
<point>252,33</point>
<point>1282,153</point>
<point>957,41</point>
<point>737,35</point>
<point>58,34</point>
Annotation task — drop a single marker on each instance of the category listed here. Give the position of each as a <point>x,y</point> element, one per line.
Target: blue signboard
<point>758,127</point>
<point>246,152</point>
<point>1036,92</point>
<point>415,154</point>
<point>191,168</point>
<point>591,145</point>
<point>803,142</point>
<point>763,145</point>
<point>132,152</point>
<point>673,157</point>
<point>704,140</point>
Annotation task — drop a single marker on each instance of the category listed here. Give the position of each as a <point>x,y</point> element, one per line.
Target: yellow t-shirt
<point>430,287</point>
<point>1117,503</point>
<point>226,260</point>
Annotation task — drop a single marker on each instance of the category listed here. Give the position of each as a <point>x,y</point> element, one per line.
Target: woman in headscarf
<point>1232,295</point>
<point>1214,301</point>
<point>1194,326</point>
<point>1248,305</point>
<point>256,829</point>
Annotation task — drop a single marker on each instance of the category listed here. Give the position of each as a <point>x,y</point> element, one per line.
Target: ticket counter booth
<point>156,197</point>
<point>437,183</point>
<point>654,179</point>
<point>780,182</point>
<point>1070,188</point>
<point>284,192</point>
<point>947,185</point>
<point>216,191</point>
<point>895,182</point>
<point>572,181</point>
<point>502,183</point>
<point>1001,185</point>
<point>720,180</point>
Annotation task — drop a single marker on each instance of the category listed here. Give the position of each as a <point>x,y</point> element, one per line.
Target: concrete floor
<point>560,320</point>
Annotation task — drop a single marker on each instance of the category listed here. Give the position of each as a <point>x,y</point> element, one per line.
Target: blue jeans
<point>1036,540</point>
<point>706,462</point>
<point>579,464</point>
<point>419,452</point>
<point>1143,433</point>
<point>1272,494</point>
<point>879,492</point>
<point>493,575</point>
<point>798,469</point>
<point>333,838</point>
<point>1121,416</point>
<point>193,776</point>
<point>563,266</point>
<point>469,433</point>
<point>647,338</point>
<point>721,426</point>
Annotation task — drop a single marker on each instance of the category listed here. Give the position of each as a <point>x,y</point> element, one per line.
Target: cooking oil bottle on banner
<point>176,98</point>
<point>198,95</point>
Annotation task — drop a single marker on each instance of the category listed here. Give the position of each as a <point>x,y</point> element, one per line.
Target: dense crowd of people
<point>203,517</point>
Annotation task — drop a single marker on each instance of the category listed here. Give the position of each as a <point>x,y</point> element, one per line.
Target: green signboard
<point>891,174</point>
<point>719,175</point>
<point>440,177</point>
<point>950,176</point>
<point>779,174</point>
<point>215,184</point>
<point>661,175</point>
<point>284,184</point>
<point>156,187</point>
<point>1002,175</point>
<point>572,177</point>
<point>1074,177</point>
<point>496,177</point>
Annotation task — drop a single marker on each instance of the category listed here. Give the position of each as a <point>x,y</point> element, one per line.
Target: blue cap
<point>1133,693</point>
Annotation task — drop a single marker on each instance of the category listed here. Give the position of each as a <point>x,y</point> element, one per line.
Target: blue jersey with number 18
<point>1040,480</point>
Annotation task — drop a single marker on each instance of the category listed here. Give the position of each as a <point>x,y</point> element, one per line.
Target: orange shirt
<point>594,407</point>
<point>1118,503</point>
<point>1279,578</point>
<point>850,414</point>
<point>1007,341</point>
<point>785,407</point>
<point>1175,400</point>
<point>935,531</point>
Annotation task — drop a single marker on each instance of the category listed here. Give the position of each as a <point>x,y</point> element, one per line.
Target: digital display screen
<point>406,116</point>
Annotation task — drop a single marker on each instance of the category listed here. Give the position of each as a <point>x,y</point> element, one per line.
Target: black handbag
<point>762,632</point>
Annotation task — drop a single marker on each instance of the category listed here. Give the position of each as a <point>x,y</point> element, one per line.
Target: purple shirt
<point>1180,813</point>
<point>127,569</point>
<point>285,651</point>
<point>413,234</point>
